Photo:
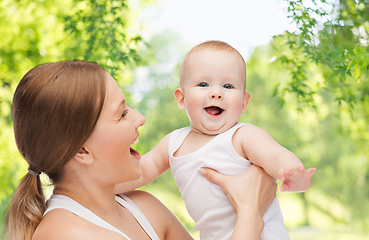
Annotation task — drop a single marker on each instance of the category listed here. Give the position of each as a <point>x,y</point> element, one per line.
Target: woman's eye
<point>203,84</point>
<point>228,86</point>
<point>124,113</point>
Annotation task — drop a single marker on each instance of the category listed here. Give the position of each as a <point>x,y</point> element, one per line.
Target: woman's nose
<point>139,119</point>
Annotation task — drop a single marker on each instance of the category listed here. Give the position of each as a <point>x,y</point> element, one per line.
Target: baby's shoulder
<point>250,136</point>
<point>248,131</point>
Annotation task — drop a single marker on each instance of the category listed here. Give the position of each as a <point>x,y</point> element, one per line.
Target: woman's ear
<point>179,97</point>
<point>83,156</point>
<point>246,99</point>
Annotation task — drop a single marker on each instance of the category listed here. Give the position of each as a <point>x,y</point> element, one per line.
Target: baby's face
<point>213,84</point>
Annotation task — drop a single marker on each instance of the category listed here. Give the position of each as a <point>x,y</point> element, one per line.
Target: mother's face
<point>115,132</point>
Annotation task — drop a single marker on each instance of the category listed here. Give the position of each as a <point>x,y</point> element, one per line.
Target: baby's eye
<point>203,84</point>
<point>228,86</point>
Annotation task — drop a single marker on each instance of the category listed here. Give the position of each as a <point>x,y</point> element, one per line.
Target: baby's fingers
<point>284,187</point>
<point>283,174</point>
<point>311,171</point>
<point>300,169</point>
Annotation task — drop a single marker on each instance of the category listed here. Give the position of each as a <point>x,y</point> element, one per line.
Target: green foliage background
<point>309,90</point>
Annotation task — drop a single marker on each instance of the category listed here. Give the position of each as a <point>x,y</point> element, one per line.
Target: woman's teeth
<point>135,142</point>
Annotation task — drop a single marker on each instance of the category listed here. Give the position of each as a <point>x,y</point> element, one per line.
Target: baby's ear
<point>83,156</point>
<point>179,96</point>
<point>246,99</point>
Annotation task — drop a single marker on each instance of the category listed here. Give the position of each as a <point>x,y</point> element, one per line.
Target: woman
<point>72,123</point>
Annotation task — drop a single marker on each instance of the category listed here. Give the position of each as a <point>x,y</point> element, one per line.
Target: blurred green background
<point>309,89</point>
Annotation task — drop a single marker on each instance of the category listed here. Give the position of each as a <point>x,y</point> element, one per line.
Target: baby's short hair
<point>214,45</point>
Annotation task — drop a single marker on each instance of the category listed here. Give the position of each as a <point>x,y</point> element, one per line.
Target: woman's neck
<point>94,196</point>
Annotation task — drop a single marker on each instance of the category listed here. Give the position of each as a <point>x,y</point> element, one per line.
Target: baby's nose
<point>216,96</point>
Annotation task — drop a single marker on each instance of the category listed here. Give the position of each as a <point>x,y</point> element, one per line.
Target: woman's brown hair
<point>55,108</point>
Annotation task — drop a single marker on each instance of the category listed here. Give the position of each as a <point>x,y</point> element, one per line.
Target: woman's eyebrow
<point>119,107</point>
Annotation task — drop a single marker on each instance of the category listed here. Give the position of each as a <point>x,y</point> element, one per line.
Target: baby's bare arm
<point>152,164</point>
<point>262,150</point>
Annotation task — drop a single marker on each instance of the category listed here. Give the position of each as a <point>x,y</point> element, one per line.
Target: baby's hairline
<point>210,46</point>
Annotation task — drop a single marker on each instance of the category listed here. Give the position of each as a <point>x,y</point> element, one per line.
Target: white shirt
<point>205,201</point>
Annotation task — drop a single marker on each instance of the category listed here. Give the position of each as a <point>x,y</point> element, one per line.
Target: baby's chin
<point>208,130</point>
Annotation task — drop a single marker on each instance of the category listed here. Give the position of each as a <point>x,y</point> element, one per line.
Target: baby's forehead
<point>193,58</point>
<point>205,56</point>
<point>203,51</point>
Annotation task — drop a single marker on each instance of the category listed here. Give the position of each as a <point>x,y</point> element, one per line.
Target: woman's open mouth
<point>135,153</point>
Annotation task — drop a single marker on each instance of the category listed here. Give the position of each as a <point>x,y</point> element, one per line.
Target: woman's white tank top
<point>64,202</point>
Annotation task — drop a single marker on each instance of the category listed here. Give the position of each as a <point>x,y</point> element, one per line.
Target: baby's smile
<point>214,110</point>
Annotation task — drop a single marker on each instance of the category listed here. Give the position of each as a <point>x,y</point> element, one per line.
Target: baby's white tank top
<point>64,202</point>
<point>205,201</point>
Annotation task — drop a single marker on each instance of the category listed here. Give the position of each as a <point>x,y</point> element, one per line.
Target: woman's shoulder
<point>63,224</point>
<point>139,197</point>
<point>146,202</point>
<point>166,225</point>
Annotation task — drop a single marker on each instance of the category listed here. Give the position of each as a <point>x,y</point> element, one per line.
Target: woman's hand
<point>250,194</point>
<point>253,187</point>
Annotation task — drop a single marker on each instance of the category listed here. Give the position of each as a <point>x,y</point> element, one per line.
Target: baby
<point>212,91</point>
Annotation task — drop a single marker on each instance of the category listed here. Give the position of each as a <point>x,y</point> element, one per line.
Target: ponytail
<point>55,109</point>
<point>26,209</point>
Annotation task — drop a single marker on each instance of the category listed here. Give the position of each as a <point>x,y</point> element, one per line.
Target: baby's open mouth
<point>214,110</point>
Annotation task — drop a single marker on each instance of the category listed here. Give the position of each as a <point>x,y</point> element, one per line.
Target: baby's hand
<point>295,179</point>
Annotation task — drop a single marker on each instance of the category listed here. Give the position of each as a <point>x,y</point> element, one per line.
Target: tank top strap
<point>227,135</point>
<point>138,214</point>
<point>64,202</point>
<point>176,139</point>
<point>61,201</point>
<point>233,129</point>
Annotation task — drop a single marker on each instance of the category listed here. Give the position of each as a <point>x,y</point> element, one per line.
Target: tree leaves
<point>336,40</point>
<point>37,32</point>
<point>100,34</point>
